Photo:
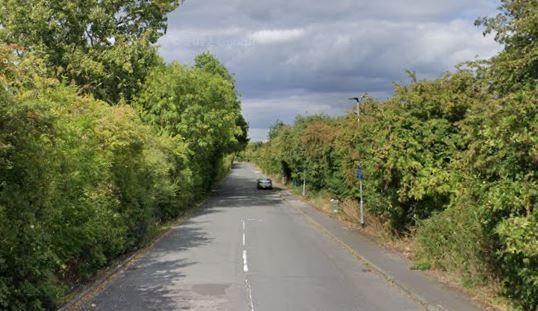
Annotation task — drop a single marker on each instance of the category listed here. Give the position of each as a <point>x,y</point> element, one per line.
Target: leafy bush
<point>107,49</point>
<point>80,182</point>
<point>518,256</point>
<point>454,240</point>
<point>503,159</point>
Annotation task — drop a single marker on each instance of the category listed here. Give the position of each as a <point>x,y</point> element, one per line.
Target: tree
<point>516,27</point>
<point>209,63</point>
<point>197,106</point>
<point>105,47</point>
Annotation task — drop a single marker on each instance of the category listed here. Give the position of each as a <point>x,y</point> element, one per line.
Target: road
<point>249,249</point>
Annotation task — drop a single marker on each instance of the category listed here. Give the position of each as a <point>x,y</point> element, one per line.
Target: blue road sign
<point>360,173</point>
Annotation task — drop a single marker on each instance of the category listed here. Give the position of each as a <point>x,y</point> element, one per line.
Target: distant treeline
<point>453,161</point>
<point>100,140</point>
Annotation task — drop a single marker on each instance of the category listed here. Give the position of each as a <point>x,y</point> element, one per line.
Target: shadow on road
<point>146,284</point>
<point>155,281</point>
<point>239,190</point>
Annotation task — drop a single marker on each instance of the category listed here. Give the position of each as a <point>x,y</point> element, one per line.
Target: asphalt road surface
<point>248,249</point>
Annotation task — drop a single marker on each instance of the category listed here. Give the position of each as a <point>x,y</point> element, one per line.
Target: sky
<point>293,57</point>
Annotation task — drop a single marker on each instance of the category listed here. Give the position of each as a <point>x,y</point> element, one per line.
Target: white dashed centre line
<point>245,263</point>
<point>245,269</point>
<point>250,301</point>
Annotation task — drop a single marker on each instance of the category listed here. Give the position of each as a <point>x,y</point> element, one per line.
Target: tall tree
<point>104,46</point>
<point>197,107</point>
<point>516,27</point>
<point>209,63</point>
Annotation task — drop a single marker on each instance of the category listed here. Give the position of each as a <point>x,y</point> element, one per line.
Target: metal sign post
<point>360,177</point>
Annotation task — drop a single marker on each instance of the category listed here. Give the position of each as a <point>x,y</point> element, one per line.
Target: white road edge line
<point>245,264</point>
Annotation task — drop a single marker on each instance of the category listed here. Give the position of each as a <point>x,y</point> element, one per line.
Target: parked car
<point>264,183</point>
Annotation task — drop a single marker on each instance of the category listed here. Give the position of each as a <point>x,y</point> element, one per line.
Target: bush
<point>519,259</point>
<point>454,240</point>
<point>81,182</point>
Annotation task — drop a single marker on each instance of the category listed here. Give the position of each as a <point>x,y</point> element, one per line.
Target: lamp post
<point>304,168</point>
<point>359,102</point>
<point>360,177</point>
<point>360,173</point>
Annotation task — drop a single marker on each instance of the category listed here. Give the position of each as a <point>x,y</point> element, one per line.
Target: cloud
<point>298,56</point>
<point>276,35</point>
<point>258,134</point>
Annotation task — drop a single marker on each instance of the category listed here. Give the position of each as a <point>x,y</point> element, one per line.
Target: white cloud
<point>276,35</point>
<point>258,134</point>
<point>293,57</point>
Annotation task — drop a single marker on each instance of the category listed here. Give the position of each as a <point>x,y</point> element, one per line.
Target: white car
<point>264,183</point>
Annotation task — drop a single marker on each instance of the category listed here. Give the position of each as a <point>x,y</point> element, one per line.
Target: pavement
<point>249,249</point>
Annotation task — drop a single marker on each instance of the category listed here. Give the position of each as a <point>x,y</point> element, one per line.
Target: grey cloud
<point>294,56</point>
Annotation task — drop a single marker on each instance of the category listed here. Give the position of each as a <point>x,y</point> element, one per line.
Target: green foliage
<point>198,107</point>
<point>518,256</point>
<point>415,138</point>
<point>502,158</point>
<point>407,147</point>
<point>105,47</point>
<point>454,239</point>
<point>80,183</point>
<point>209,63</point>
<point>516,27</point>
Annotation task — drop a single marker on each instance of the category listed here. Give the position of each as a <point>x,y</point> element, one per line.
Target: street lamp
<point>304,168</point>
<point>360,174</point>
<point>360,177</point>
<point>359,101</point>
